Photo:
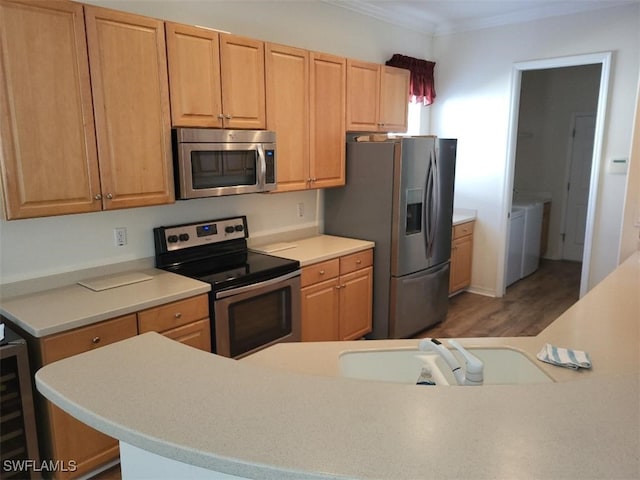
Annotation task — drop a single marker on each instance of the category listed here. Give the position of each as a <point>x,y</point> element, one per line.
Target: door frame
<point>604,59</point>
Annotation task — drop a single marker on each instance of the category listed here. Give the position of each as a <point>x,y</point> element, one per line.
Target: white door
<point>581,155</point>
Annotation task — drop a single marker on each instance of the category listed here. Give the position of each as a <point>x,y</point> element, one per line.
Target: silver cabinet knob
<point>321,272</point>
<point>178,315</point>
<point>95,340</point>
<point>109,196</point>
<point>97,197</point>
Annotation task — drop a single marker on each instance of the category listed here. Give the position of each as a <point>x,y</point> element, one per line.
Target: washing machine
<point>516,242</point>
<point>531,236</point>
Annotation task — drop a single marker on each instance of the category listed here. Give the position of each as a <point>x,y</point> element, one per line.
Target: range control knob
<point>184,237</point>
<point>229,229</point>
<point>172,239</point>
<point>239,228</point>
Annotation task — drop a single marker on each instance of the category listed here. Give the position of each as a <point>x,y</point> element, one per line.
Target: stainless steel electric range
<point>255,298</point>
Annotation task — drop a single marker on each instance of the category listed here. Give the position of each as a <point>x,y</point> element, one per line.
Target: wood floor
<point>529,305</point>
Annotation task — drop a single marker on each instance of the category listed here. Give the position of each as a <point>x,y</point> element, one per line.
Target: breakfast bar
<point>285,412</point>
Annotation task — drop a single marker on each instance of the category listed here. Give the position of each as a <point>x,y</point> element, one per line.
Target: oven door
<point>252,317</point>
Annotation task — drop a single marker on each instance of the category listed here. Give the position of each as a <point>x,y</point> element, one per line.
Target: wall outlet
<point>120,234</point>
<point>300,210</point>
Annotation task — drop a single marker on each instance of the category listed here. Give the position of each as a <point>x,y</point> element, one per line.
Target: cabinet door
<point>321,312</point>
<point>70,438</point>
<point>193,56</point>
<point>128,65</point>
<point>363,92</point>
<point>243,89</point>
<point>461,257</point>
<point>49,156</point>
<point>195,334</point>
<point>328,94</point>
<point>287,75</point>
<point>356,297</point>
<point>394,99</point>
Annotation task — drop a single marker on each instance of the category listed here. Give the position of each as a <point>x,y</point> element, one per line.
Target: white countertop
<point>315,249</point>
<point>461,215</point>
<point>282,414</point>
<point>59,309</point>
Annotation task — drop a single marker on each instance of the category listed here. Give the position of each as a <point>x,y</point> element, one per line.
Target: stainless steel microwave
<point>211,163</point>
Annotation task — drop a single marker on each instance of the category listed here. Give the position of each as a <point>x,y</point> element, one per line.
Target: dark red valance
<point>422,87</point>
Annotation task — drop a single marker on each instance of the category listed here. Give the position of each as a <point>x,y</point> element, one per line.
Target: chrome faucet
<point>474,367</point>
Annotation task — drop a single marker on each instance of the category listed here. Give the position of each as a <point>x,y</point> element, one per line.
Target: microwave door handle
<point>262,165</point>
<point>256,286</point>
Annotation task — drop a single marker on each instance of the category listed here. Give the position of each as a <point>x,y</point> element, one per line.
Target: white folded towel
<point>564,357</point>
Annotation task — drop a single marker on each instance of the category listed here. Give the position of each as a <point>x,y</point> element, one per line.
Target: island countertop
<point>263,417</point>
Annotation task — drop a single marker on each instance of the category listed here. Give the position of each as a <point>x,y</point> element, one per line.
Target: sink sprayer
<point>474,366</point>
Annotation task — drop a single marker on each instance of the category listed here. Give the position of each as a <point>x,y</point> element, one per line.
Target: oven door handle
<point>256,286</point>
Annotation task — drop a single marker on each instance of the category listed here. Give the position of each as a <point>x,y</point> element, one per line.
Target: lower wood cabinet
<point>186,321</point>
<point>79,448</point>
<point>337,298</point>
<point>67,439</point>
<point>461,256</point>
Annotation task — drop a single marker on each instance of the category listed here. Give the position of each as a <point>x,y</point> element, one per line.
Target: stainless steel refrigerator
<point>399,194</point>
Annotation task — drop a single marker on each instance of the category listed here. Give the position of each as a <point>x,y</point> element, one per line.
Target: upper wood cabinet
<point>378,97</point>
<point>193,55</point>
<point>243,89</point>
<point>127,56</point>
<point>49,158</point>
<point>287,75</point>
<point>216,79</point>
<point>328,103</point>
<point>85,123</point>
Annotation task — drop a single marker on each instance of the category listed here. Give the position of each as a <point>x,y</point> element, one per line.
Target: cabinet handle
<point>178,315</point>
<point>97,197</point>
<point>228,117</point>
<point>321,272</point>
<point>109,196</point>
<point>314,179</point>
<point>95,340</point>
<point>338,287</point>
<point>220,116</point>
<point>358,261</point>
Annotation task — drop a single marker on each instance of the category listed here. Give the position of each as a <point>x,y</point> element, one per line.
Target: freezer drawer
<point>418,301</point>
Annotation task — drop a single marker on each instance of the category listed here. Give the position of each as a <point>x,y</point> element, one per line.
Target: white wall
<point>631,226</point>
<point>474,82</point>
<point>38,247</point>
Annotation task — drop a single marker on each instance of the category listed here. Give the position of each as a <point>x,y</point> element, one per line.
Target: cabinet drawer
<point>63,345</point>
<point>172,315</point>
<point>462,230</point>
<point>319,272</point>
<point>356,261</point>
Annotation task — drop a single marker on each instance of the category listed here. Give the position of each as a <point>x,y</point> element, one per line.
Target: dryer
<point>531,236</point>
<point>514,252</point>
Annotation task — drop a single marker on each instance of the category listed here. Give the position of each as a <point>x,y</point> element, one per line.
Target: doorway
<point>547,104</point>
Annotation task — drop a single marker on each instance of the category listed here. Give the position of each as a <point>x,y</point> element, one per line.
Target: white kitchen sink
<point>502,366</point>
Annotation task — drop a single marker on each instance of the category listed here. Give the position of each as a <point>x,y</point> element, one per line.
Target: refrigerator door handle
<point>430,205</point>
<point>435,198</point>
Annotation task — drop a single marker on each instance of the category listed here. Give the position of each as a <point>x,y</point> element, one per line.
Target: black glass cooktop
<point>236,269</point>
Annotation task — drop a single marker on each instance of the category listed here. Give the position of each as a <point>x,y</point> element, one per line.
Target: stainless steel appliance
<point>210,162</point>
<point>399,194</point>
<point>255,298</point>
